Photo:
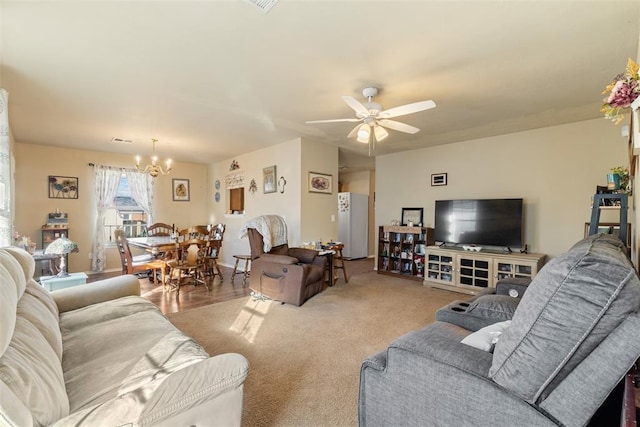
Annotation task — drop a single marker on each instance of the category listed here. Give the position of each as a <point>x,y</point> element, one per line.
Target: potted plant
<point>618,179</point>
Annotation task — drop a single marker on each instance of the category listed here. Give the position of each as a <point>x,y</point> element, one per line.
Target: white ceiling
<point>214,79</point>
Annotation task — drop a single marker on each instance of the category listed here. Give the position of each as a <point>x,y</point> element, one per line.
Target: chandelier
<point>153,169</point>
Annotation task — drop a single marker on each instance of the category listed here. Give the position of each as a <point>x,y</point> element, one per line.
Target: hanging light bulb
<point>153,169</point>
<point>363,133</point>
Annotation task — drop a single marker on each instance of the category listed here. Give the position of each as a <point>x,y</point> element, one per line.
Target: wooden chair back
<point>123,249</point>
<point>159,229</point>
<point>216,235</point>
<point>197,232</point>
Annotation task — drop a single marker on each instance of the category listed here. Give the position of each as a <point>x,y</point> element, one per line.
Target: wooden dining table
<point>155,245</point>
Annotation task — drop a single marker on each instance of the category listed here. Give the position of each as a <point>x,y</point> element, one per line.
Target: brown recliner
<point>291,275</point>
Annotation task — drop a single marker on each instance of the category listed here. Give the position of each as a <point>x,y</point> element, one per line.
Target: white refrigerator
<point>353,224</point>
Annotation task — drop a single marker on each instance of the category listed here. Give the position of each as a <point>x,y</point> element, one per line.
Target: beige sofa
<point>99,354</point>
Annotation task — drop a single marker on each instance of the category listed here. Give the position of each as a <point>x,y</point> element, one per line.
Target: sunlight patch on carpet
<point>250,318</point>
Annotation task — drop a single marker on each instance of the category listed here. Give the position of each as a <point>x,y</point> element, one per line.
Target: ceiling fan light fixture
<point>380,133</point>
<point>363,133</point>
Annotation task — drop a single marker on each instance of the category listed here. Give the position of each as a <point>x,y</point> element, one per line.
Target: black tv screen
<point>490,222</point>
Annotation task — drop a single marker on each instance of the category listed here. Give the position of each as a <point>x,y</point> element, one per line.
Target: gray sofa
<point>571,339</point>
<point>100,355</point>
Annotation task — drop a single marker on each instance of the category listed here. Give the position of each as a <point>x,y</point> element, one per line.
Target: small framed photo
<point>180,190</point>
<point>320,183</point>
<point>63,187</point>
<point>269,179</point>
<point>412,216</point>
<point>610,228</point>
<point>438,179</point>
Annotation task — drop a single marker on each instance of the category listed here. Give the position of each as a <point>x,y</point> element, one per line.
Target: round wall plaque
<point>217,196</point>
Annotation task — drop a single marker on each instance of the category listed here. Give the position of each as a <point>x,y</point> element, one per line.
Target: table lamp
<point>62,247</point>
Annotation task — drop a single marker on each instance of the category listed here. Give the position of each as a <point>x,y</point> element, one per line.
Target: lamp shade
<point>61,246</point>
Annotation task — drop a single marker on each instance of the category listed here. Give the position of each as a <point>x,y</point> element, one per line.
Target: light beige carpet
<point>305,361</point>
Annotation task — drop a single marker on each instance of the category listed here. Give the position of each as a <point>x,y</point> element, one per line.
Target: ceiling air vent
<point>122,140</point>
<point>264,5</point>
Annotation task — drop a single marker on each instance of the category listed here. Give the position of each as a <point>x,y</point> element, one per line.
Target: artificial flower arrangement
<point>624,89</point>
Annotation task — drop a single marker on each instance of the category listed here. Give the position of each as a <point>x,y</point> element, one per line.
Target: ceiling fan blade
<point>332,120</point>
<point>380,133</point>
<point>401,127</point>
<point>360,109</point>
<point>354,131</point>
<point>407,109</point>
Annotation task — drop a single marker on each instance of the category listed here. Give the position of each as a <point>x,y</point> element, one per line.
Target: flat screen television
<point>488,222</point>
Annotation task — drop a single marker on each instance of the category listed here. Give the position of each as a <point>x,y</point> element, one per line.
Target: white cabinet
<point>470,272</point>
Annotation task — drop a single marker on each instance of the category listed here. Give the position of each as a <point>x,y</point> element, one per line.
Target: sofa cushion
<point>31,365</point>
<point>96,369</point>
<point>576,300</point>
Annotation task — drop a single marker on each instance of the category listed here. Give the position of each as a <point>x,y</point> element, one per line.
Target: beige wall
<point>319,212</point>
<point>307,215</point>
<point>363,182</point>
<point>34,163</point>
<point>554,169</point>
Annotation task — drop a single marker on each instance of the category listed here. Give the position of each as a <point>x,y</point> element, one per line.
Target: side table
<point>54,283</point>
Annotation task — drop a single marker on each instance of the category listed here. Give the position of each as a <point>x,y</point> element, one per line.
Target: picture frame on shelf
<point>320,183</point>
<point>269,179</point>
<point>180,191</point>
<point>612,228</point>
<point>63,187</point>
<point>411,216</point>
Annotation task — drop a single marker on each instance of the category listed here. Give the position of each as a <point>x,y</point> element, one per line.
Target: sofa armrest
<point>92,293</point>
<point>207,392</point>
<point>428,377</point>
<point>512,286</point>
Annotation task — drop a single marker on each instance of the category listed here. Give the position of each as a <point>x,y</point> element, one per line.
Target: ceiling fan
<point>374,119</point>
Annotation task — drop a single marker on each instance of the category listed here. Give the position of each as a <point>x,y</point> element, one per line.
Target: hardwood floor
<point>199,296</point>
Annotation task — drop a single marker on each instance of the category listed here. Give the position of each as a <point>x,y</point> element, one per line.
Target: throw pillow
<point>486,338</point>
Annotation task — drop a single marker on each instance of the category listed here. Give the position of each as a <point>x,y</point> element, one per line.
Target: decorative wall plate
<point>217,197</point>
<point>217,184</point>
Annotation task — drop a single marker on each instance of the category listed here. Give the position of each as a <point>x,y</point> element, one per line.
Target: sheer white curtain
<point>107,180</point>
<point>141,186</point>
<point>5,172</point>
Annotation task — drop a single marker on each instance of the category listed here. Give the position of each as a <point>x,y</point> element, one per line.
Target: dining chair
<point>190,262</point>
<point>216,234</point>
<point>196,232</point>
<point>159,229</point>
<point>139,263</point>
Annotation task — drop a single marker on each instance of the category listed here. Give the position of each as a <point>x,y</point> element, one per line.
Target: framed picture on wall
<point>180,190</point>
<point>63,187</point>
<point>269,179</point>
<point>320,183</point>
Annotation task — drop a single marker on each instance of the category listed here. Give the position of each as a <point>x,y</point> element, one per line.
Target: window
<point>127,215</point>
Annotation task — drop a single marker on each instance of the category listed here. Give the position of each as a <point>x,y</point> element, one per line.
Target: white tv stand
<point>456,269</point>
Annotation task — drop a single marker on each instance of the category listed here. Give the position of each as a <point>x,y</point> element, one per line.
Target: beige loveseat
<point>100,355</point>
